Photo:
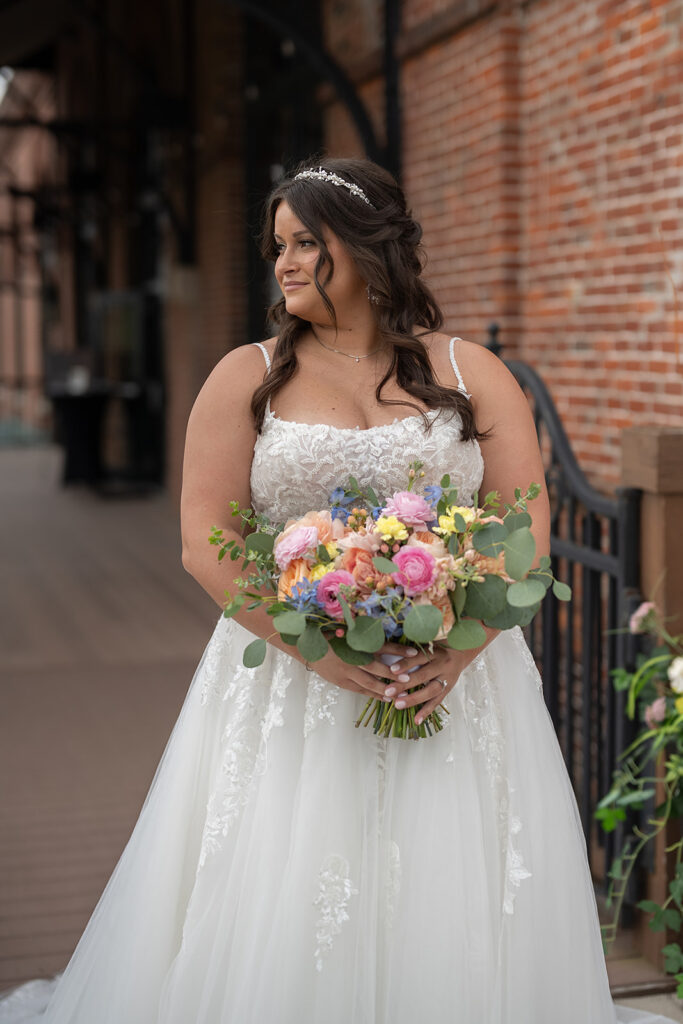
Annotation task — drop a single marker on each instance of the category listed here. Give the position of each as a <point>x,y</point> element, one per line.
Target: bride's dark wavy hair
<point>384,242</point>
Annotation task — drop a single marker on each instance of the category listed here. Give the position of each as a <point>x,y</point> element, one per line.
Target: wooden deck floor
<point>100,632</point>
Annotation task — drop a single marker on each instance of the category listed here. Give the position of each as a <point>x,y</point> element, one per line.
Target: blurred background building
<point>540,144</point>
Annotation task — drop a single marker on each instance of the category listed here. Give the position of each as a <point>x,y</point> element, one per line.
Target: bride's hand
<point>435,675</point>
<point>367,679</point>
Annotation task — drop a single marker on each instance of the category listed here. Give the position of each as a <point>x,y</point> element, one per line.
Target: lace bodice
<point>297,465</point>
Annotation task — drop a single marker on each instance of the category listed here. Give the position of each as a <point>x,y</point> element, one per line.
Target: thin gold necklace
<point>341,351</point>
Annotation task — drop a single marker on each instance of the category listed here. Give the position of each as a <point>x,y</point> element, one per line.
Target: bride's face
<point>298,253</point>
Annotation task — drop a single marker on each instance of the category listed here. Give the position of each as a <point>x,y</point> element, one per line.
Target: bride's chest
<point>296,466</point>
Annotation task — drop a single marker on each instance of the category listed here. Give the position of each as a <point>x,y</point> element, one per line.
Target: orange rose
<point>297,571</point>
<point>358,562</point>
<point>487,565</point>
<point>327,527</point>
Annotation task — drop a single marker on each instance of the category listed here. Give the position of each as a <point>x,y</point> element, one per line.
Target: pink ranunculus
<point>637,620</point>
<point>411,509</point>
<point>295,544</point>
<point>655,712</point>
<point>328,591</point>
<point>416,569</point>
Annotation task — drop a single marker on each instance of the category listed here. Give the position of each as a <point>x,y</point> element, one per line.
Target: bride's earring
<point>371,295</point>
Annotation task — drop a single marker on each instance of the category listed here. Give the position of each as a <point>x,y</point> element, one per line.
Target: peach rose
<point>358,562</point>
<point>327,527</point>
<point>487,565</point>
<point>296,571</point>
<point>430,541</point>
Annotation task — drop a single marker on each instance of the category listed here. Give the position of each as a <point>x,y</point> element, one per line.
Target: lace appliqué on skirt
<point>321,697</point>
<point>485,725</point>
<point>335,890</point>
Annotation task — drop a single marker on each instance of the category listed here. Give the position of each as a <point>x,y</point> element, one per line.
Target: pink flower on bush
<point>655,712</point>
<point>411,509</point>
<point>328,591</point>
<point>416,569</point>
<point>295,544</point>
<point>637,620</point>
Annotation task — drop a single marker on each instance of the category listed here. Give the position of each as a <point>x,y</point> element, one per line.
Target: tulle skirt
<point>287,867</point>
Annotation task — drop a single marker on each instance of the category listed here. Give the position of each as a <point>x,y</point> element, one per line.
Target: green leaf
<point>233,606</point>
<point>374,500</point>
<point>466,635</point>
<point>488,540</point>
<point>290,622</point>
<point>348,617</point>
<point>459,523</point>
<point>322,554</point>
<point>261,542</point>
<point>346,653</point>
<point>520,548</point>
<point>544,562</point>
<point>679,990</point>
<point>485,600</point>
<point>561,591</point>
<point>254,653</point>
<point>289,638</point>
<point>422,623</point>
<point>366,634</point>
<point>353,484</point>
<point>649,906</point>
<point>542,577</point>
<point>609,817</point>
<point>384,565</point>
<point>673,958</point>
<point>445,481</point>
<point>510,617</point>
<point>516,520</point>
<point>312,645</point>
<point>525,593</point>
<point>458,598</point>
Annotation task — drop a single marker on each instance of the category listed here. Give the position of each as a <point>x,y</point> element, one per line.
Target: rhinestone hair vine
<point>334,179</point>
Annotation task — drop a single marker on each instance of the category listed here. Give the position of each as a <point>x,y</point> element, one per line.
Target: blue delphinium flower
<point>432,493</point>
<point>376,511</point>
<point>372,605</point>
<point>304,596</point>
<point>339,512</point>
<point>392,629</point>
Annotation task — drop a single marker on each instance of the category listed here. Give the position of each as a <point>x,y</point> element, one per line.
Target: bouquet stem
<point>388,720</point>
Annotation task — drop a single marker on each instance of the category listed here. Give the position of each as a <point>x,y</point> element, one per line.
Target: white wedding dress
<point>289,868</point>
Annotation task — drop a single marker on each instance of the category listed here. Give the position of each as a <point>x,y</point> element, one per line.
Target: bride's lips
<point>293,285</point>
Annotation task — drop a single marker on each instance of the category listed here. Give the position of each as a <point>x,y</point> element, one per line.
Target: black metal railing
<point>594,547</point>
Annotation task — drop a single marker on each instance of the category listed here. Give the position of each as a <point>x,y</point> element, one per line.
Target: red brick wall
<point>543,148</point>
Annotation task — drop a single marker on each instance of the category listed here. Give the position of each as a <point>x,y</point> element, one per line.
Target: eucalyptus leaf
<point>510,617</point>
<point>466,635</point>
<point>520,549</point>
<point>525,593</point>
<point>486,599</point>
<point>488,540</point>
<point>261,542</point>
<point>254,653</point>
<point>312,645</point>
<point>366,634</point>
<point>347,654</point>
<point>561,591</point>
<point>516,520</point>
<point>422,623</point>
<point>445,481</point>
<point>385,565</point>
<point>458,598</point>
<point>234,606</point>
<point>290,622</point>
<point>348,617</point>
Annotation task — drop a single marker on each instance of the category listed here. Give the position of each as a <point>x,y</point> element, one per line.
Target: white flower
<point>675,674</point>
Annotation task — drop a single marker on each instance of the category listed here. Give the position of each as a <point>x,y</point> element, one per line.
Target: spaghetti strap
<point>456,368</point>
<point>265,353</point>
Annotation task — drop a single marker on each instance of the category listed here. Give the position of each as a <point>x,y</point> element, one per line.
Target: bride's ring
<point>444,682</point>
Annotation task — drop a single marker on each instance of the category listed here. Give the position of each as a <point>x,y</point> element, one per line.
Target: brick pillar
<point>652,459</point>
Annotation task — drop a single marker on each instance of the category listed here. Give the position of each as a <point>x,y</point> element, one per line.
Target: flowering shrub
<point>652,764</point>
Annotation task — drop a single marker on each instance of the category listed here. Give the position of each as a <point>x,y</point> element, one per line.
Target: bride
<point>287,867</point>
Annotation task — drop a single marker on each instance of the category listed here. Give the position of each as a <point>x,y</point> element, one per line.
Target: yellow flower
<point>679,704</point>
<point>446,525</point>
<point>468,514</point>
<point>321,569</point>
<point>391,528</point>
<point>332,549</point>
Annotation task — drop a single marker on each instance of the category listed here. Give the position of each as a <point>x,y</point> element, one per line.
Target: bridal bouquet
<point>413,568</point>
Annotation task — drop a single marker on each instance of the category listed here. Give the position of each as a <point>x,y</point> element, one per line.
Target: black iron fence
<point>595,549</point>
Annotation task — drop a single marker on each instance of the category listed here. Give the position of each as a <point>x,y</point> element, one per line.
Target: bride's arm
<point>216,469</point>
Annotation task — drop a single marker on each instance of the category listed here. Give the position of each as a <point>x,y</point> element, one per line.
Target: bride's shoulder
<point>478,368</point>
<point>235,377</point>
